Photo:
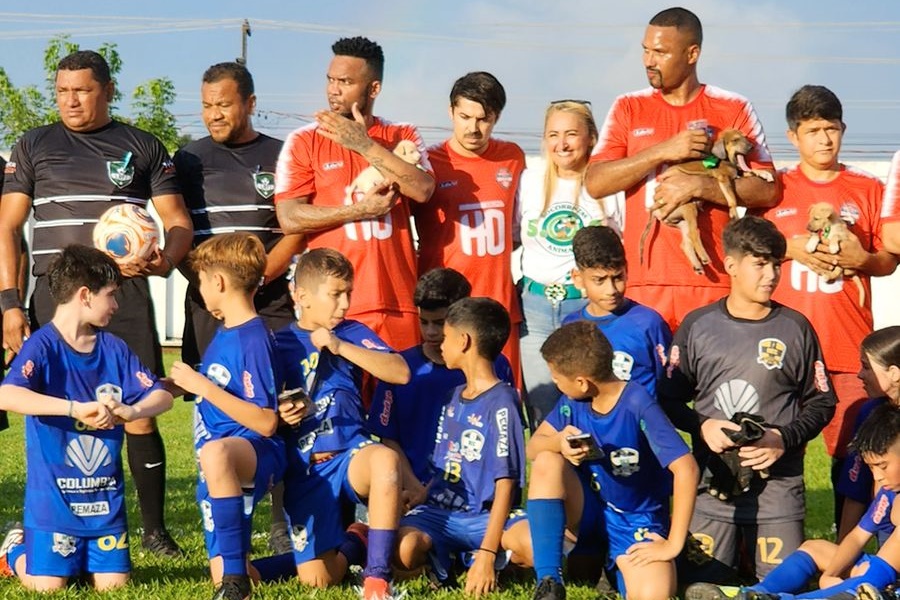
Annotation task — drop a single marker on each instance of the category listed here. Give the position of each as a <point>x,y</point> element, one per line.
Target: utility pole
<point>245,33</point>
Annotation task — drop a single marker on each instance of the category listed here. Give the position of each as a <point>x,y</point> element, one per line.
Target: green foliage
<point>187,578</point>
<point>23,108</point>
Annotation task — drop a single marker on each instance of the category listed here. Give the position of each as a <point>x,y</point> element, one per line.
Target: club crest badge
<point>504,177</point>
<point>120,172</point>
<point>771,353</point>
<point>264,182</point>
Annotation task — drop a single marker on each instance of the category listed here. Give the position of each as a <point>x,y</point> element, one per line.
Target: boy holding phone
<point>596,476</point>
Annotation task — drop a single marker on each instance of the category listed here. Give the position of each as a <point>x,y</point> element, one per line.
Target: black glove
<point>726,478</point>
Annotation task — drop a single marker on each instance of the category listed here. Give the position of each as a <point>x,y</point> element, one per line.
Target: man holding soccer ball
<point>70,173</point>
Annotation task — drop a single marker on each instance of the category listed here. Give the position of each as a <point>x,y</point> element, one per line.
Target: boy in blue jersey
<point>331,455</point>
<point>477,461</point>
<point>639,336</point>
<point>603,467</point>
<point>76,384</point>
<point>846,566</point>
<point>235,418</point>
<point>405,417</point>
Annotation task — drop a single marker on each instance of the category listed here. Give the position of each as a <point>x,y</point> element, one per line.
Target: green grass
<point>187,578</point>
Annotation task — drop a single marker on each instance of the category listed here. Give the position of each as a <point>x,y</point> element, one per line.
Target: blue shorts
<point>61,555</point>
<point>270,463</point>
<point>451,532</point>
<point>312,503</point>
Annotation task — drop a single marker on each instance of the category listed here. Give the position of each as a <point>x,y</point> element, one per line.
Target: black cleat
<point>160,543</point>
<point>233,587</point>
<point>710,591</point>
<point>550,589</point>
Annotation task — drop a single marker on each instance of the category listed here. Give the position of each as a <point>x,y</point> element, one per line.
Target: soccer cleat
<point>751,594</point>
<point>159,542</point>
<point>280,540</point>
<point>550,589</point>
<point>14,537</point>
<point>233,587</point>
<point>867,591</point>
<point>711,591</point>
<point>378,589</point>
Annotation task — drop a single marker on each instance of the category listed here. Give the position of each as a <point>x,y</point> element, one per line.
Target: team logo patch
<point>120,172</point>
<point>504,178</point>
<point>849,213</point>
<point>641,533</point>
<point>10,168</point>
<point>622,364</point>
<point>218,374</point>
<point>108,389</point>
<point>249,390</point>
<point>470,444</point>
<point>821,376</point>
<point>299,537</point>
<point>143,379</point>
<point>565,410</point>
<point>88,454</point>
<point>560,227</point>
<point>63,544</point>
<point>625,461</point>
<point>28,369</point>
<point>735,396</point>
<point>771,353</point>
<point>264,182</point>
<point>881,510</point>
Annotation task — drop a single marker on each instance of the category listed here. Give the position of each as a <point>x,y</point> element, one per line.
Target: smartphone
<point>297,396</point>
<point>586,440</point>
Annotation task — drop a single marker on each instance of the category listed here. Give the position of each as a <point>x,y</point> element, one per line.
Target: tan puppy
<point>370,176</point>
<point>826,226</point>
<point>724,165</point>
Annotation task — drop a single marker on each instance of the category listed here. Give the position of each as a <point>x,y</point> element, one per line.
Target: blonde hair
<point>239,256</point>
<point>551,173</point>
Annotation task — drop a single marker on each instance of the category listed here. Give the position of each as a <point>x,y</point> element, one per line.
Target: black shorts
<point>273,303</point>
<point>134,322</point>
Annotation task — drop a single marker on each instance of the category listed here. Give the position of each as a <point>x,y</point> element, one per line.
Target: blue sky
<point>540,50</point>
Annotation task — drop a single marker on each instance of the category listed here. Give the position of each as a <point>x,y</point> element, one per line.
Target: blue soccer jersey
<point>239,360</point>
<point>877,519</point>
<point>332,382</point>
<point>640,339</point>
<point>409,414</point>
<point>74,479</point>
<point>478,442</point>
<point>638,444</point>
<point>855,480</point>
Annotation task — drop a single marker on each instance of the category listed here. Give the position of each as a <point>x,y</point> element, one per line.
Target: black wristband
<point>9,299</point>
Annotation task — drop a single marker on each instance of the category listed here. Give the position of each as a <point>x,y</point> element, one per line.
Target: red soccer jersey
<point>467,224</point>
<point>381,250</point>
<point>642,119</point>
<point>890,207</point>
<point>832,308</point>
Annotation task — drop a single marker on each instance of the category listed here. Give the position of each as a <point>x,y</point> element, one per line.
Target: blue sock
<point>353,549</point>
<point>280,567</point>
<point>378,559</point>
<point>879,574</point>
<point>13,554</point>
<point>547,521</point>
<point>228,517</point>
<point>790,576</point>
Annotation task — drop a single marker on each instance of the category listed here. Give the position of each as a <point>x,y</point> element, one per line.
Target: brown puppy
<point>827,227</point>
<point>724,165</point>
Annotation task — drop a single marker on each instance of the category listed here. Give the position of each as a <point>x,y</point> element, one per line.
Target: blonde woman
<point>553,205</point>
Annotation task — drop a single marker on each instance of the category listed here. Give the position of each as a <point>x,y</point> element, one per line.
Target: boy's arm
<point>24,401</point>
<point>156,402</point>
<point>851,512</point>
<point>386,366</point>
<point>481,577</point>
<point>547,439</point>
<point>263,421</point>
<point>846,554</point>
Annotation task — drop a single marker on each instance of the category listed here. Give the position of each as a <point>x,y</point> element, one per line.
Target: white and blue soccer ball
<point>126,232</point>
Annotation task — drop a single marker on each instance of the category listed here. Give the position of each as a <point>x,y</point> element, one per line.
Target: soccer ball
<point>126,232</point>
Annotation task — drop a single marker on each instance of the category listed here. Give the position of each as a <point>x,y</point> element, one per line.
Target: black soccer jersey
<point>73,177</point>
<point>230,188</point>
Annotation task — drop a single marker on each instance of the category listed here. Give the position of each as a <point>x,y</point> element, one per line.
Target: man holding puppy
<point>674,121</point>
<point>320,161</point>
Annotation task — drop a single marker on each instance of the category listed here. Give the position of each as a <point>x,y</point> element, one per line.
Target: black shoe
<point>280,541</point>
<point>159,542</point>
<point>711,591</point>
<point>233,587</point>
<point>550,589</point>
<point>867,591</point>
<point>748,594</point>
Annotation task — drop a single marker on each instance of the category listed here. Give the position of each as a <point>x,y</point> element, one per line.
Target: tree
<point>23,108</point>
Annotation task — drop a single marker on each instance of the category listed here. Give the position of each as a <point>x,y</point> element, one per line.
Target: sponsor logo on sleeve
<point>28,369</point>
<point>249,390</point>
<point>143,379</point>
<point>881,509</point>
<point>502,419</point>
<point>10,168</point>
<point>821,377</point>
<point>388,403</point>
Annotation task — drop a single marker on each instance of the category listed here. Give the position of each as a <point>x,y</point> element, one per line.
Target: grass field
<point>187,578</point>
